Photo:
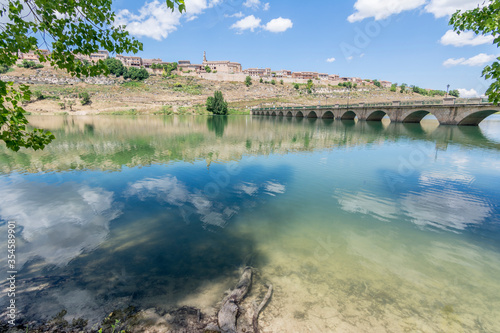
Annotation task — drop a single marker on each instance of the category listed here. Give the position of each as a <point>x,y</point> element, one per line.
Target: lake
<point>359,226</point>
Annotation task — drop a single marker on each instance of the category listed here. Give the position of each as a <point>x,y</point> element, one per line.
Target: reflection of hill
<point>108,143</point>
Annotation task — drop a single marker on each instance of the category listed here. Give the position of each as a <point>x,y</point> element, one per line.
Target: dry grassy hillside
<point>181,94</point>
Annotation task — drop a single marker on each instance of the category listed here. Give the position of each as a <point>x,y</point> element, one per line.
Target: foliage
<point>348,85</point>
<point>296,86</point>
<point>432,93</point>
<point>281,82</point>
<point>484,21</point>
<point>4,69</point>
<point>403,88</point>
<point>377,83</point>
<point>454,93</point>
<point>167,68</point>
<point>137,74</point>
<point>115,66</point>
<point>248,81</point>
<point>73,27</point>
<point>273,82</point>
<point>29,64</point>
<point>394,87</point>
<point>62,105</point>
<point>208,69</point>
<point>85,98</point>
<point>70,104</point>
<point>261,80</point>
<point>217,104</point>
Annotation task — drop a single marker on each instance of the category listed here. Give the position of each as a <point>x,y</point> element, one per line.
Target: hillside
<point>54,91</point>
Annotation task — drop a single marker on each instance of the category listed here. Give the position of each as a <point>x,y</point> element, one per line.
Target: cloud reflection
<point>57,222</point>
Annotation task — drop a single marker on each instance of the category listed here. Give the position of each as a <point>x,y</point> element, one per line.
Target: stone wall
<point>40,77</point>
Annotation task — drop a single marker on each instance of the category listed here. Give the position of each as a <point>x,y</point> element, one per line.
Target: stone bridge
<point>466,112</point>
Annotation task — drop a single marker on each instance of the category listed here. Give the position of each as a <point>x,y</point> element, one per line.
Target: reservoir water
<point>359,226</point>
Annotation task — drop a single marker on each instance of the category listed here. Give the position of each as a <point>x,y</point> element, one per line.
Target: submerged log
<point>255,320</point>
<point>229,310</point>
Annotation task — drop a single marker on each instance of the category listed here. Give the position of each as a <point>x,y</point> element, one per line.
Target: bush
<point>208,69</point>
<point>29,64</point>
<point>273,82</point>
<point>296,86</point>
<point>261,80</point>
<point>248,81</point>
<point>38,95</point>
<point>217,104</point>
<point>3,69</point>
<point>115,66</point>
<point>137,74</point>
<point>281,82</point>
<point>85,98</point>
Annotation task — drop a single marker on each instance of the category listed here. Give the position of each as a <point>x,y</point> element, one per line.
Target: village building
<point>147,63</point>
<point>224,66</point>
<point>129,61</point>
<point>305,75</point>
<point>186,66</point>
<point>334,77</point>
<point>386,84</point>
<point>257,72</point>
<point>323,76</point>
<point>284,73</point>
<point>32,56</point>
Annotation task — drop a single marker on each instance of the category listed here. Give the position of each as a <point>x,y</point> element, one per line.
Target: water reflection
<point>356,219</point>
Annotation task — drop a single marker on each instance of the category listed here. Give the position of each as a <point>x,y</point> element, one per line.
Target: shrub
<point>217,104</point>
<point>261,80</point>
<point>136,74</point>
<point>273,82</point>
<point>248,81</point>
<point>85,98</point>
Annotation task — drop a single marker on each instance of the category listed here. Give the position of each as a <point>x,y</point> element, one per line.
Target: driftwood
<point>229,310</point>
<point>255,319</point>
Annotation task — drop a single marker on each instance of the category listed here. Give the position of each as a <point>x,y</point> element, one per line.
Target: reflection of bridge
<point>448,112</point>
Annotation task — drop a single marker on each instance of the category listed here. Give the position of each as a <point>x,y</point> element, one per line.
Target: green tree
<point>403,88</point>
<point>485,21</point>
<point>273,82</point>
<point>454,93</point>
<point>73,27</point>
<point>248,81</point>
<point>115,66</point>
<point>4,69</point>
<point>261,80</point>
<point>136,74</point>
<point>281,82</point>
<point>377,83</point>
<point>296,86</point>
<point>394,87</point>
<point>217,104</point>
<point>85,98</point>
<point>208,69</point>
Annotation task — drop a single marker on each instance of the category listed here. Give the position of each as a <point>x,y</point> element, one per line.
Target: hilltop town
<point>218,70</point>
<point>187,89</point>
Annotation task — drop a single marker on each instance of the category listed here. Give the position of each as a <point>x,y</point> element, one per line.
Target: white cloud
<point>237,15</point>
<point>278,25</point>
<point>267,6</point>
<point>254,4</point>
<point>157,21</point>
<point>330,60</point>
<point>441,8</point>
<point>468,93</point>
<point>465,38</point>
<point>58,223</point>
<point>478,60</point>
<point>382,9</point>
<point>248,23</point>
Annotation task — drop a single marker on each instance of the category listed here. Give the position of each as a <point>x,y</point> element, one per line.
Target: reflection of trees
<point>109,143</point>
<point>217,124</point>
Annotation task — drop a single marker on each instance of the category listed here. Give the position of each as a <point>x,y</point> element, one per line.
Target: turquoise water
<point>360,227</point>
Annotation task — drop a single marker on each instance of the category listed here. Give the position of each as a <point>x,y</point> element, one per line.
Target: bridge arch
<point>299,114</point>
<point>312,114</point>
<point>348,115</point>
<point>289,114</point>
<point>328,115</point>
<point>273,114</point>
<point>280,114</point>
<point>376,115</point>
<point>475,117</point>
<point>415,116</point>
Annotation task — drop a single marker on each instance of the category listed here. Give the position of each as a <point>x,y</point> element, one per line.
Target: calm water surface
<point>360,227</point>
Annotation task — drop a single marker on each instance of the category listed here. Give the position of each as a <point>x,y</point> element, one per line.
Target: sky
<point>399,41</point>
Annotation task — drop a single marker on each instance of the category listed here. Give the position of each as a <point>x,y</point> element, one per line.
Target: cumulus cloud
<point>157,21</point>
<point>330,60</point>
<point>278,25</point>
<point>58,223</point>
<point>248,23</point>
<point>465,38</point>
<point>251,23</point>
<point>468,93</point>
<point>382,9</point>
<point>478,60</point>
<point>254,4</point>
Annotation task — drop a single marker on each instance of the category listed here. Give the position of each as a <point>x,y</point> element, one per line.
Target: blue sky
<point>399,41</point>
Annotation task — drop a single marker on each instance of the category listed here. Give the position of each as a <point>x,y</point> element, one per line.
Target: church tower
<point>204,56</point>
